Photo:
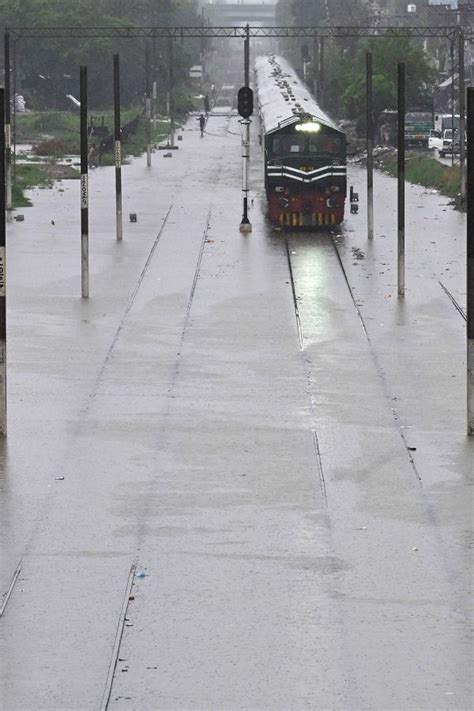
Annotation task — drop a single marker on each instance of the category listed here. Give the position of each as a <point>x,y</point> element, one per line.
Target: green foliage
<point>44,126</point>
<point>386,55</point>
<point>428,172</point>
<point>48,69</point>
<point>344,59</point>
<point>28,176</point>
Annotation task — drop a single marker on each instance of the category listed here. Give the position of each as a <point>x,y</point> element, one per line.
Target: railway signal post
<point>245,109</point>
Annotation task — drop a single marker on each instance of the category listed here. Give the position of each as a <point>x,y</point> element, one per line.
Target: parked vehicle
<point>441,140</point>
<point>444,121</point>
<point>418,125</point>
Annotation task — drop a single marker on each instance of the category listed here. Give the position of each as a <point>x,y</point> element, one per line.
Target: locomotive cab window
<point>327,143</point>
<point>290,144</point>
<point>282,145</point>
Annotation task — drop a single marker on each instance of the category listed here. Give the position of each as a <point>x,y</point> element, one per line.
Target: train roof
<point>283,99</point>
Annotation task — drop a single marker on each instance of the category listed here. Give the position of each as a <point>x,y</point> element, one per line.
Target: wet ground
<point>237,476</point>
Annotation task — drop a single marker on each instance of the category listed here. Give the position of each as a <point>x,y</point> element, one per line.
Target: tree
<point>51,66</point>
<point>387,53</point>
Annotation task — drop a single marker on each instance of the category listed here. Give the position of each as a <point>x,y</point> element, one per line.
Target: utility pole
<point>118,150</point>
<point>370,145</point>
<point>171,89</point>
<point>462,120</point>
<point>452,100</point>
<point>470,264</point>
<point>147,105</point>
<point>203,49</point>
<point>84,188</point>
<point>401,181</point>
<point>3,290</point>
<point>321,72</point>
<point>8,128</point>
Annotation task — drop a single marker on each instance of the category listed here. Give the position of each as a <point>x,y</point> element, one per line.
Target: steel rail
<point>376,361</point>
<point>455,303</point>
<point>104,704</point>
<point>8,594</point>
<point>295,298</point>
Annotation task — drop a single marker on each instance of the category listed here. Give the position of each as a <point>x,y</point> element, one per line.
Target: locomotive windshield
<point>287,144</point>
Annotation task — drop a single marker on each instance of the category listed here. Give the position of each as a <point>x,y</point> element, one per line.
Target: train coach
<point>304,151</point>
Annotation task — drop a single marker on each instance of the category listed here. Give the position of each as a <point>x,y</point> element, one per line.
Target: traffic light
<point>245,102</point>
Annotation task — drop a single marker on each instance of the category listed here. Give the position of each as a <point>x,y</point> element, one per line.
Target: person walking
<point>202,123</point>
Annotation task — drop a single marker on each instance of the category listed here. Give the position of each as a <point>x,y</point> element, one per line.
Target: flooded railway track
<point>382,377</point>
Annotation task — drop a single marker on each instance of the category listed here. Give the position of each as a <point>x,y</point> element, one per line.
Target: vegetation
<point>344,59</point>
<point>56,134</point>
<point>48,70</point>
<point>386,55</point>
<point>428,172</point>
<point>28,176</point>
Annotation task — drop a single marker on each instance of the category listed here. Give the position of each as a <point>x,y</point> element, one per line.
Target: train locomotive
<point>304,151</point>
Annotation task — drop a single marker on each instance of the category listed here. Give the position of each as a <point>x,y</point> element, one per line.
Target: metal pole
<point>452,99</point>
<point>245,225</point>
<point>401,180</point>
<point>315,66</point>
<point>462,121</point>
<point>13,161</point>
<point>370,146</point>
<point>171,88</point>
<point>147,105</point>
<point>3,291</point>
<point>247,56</point>
<point>84,188</point>
<point>154,96</point>
<point>118,149</point>
<point>470,263</point>
<point>203,49</point>
<point>8,129</point>
<point>321,72</point>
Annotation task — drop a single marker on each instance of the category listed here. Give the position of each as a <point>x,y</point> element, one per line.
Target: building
<point>240,12</point>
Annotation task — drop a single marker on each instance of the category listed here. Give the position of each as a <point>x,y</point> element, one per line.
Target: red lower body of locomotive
<point>306,208</point>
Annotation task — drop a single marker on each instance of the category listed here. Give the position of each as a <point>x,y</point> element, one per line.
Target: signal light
<point>245,102</point>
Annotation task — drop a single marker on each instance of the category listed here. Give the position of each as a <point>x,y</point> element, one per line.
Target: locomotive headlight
<point>308,127</point>
<point>279,189</point>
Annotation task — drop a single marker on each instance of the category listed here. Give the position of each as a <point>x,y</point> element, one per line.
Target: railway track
<point>291,248</point>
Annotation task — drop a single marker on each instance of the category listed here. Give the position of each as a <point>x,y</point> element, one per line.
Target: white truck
<point>442,121</point>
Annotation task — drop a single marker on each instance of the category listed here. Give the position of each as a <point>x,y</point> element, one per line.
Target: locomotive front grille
<point>303,219</point>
